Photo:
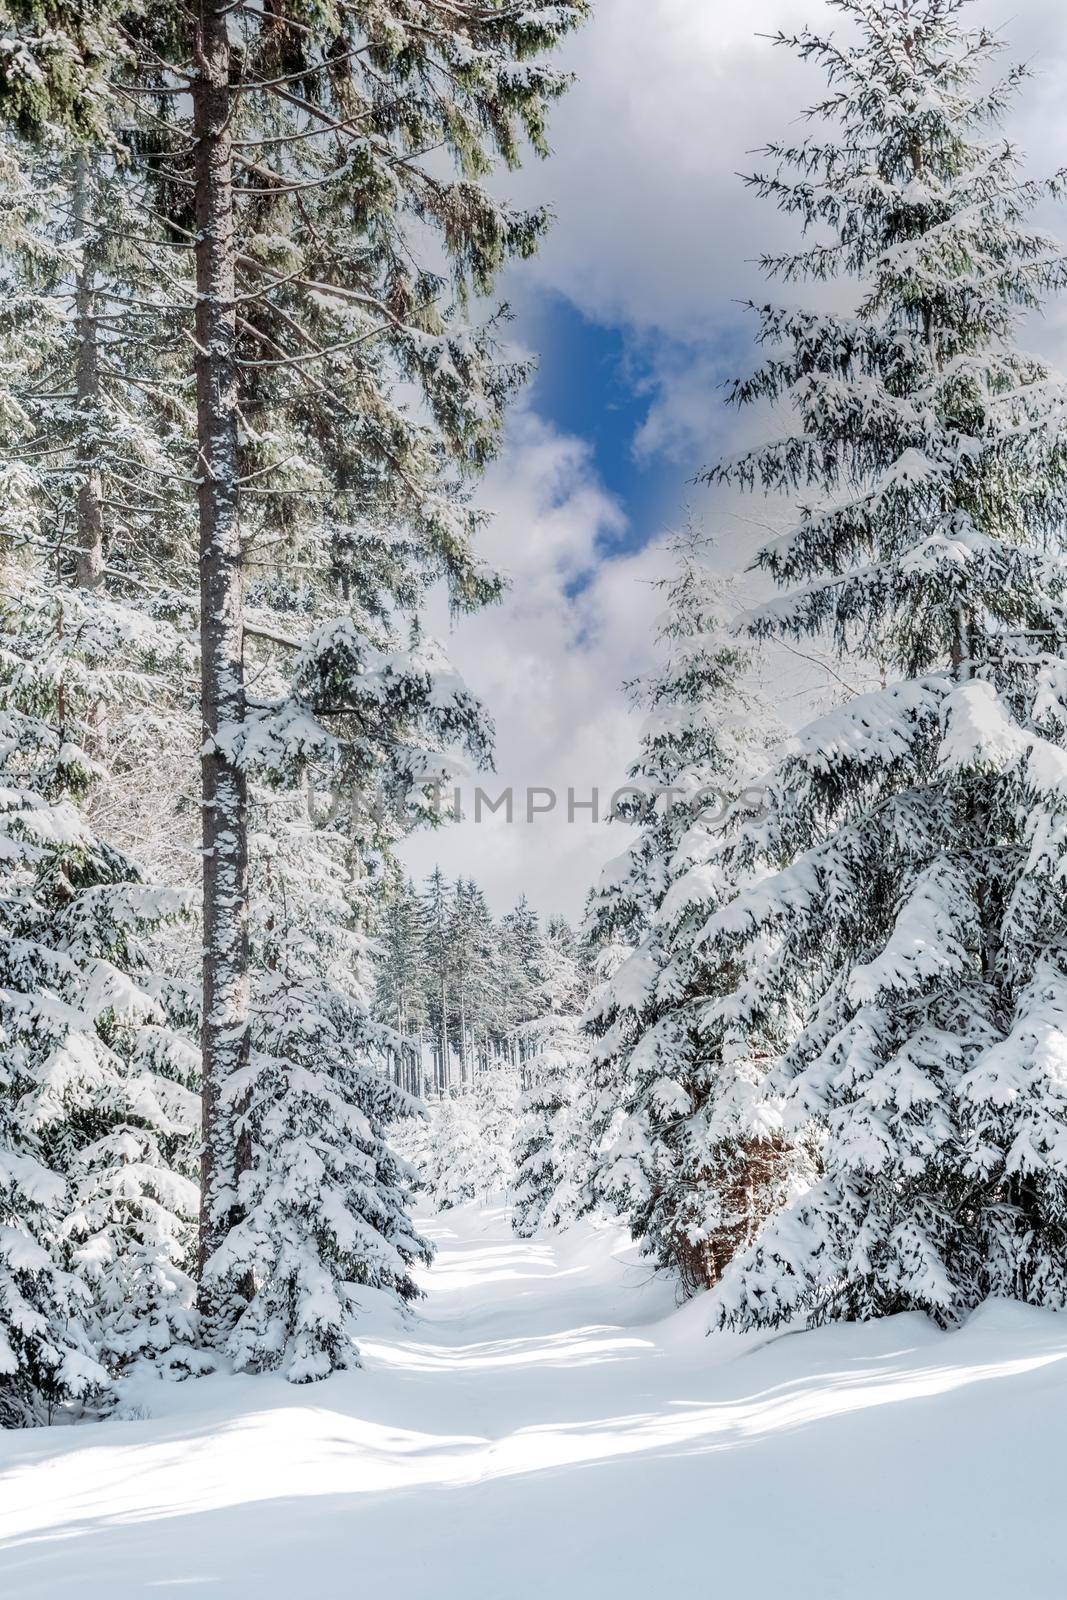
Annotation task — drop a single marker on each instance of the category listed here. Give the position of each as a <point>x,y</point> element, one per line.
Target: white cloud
<point>549,663</point>
<point>669,96</point>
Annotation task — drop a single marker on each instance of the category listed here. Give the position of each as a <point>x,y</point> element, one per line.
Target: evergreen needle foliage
<point>899,940</point>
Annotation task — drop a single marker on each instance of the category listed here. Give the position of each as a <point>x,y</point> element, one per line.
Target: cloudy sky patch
<point>635,308</point>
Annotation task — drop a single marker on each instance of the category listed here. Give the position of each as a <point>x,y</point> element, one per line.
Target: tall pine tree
<point>901,943</point>
<point>328,169</point>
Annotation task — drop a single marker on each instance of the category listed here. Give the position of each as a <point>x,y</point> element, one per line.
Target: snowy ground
<point>551,1429</point>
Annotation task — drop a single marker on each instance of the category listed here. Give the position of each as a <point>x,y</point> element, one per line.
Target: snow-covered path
<point>549,1429</point>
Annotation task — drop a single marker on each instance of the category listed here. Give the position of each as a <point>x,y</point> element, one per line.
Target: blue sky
<point>593,383</point>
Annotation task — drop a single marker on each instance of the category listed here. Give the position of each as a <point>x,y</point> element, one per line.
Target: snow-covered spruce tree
<point>449,1158</point>
<point>522,970</point>
<point>116,1114</point>
<point>94,416</point>
<point>330,174</point>
<point>471,941</point>
<point>317,1110</point>
<point>622,906</point>
<point>97,1117</point>
<point>113,1114</point>
<point>115,1118</point>
<point>98,416</point>
<point>577,1137</point>
<point>400,997</point>
<point>323,1196</point>
<point>902,941</point>
<point>131,1150</point>
<point>495,1100</point>
<point>690,1176</point>
<point>553,1052</point>
<point>46,1357</point>
<point>463,1151</point>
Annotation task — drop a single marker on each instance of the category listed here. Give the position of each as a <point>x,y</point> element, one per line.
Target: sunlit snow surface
<point>549,1429</point>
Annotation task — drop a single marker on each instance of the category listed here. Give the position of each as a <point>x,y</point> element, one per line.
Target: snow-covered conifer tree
<point>323,1195</point>
<point>46,1356</point>
<point>329,170</point>
<point>521,973</point>
<point>471,941</point>
<point>495,1099</point>
<point>96,1104</point>
<point>670,1159</point>
<point>317,1183</point>
<point>400,991</point>
<point>900,941</point>
<point>448,1155</point>
<point>553,1051</point>
<point>106,1089</point>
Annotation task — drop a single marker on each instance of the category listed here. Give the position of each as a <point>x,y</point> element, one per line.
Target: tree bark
<point>446,1063</point>
<point>89,561</point>
<point>225,1027</point>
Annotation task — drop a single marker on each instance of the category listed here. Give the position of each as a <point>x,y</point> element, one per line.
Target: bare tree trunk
<point>445,1063</point>
<point>89,570</point>
<point>224,1037</point>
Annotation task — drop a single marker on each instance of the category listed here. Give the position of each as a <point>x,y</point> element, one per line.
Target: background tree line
<point>464,987</point>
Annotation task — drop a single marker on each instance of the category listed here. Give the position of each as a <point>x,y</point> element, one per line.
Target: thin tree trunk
<point>446,1073</point>
<point>89,519</point>
<point>225,1037</point>
<point>89,567</point>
